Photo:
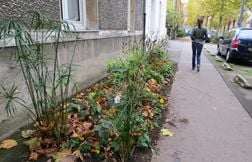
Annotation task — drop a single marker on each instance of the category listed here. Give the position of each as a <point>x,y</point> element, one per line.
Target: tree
<point>174,16</point>
<point>221,12</point>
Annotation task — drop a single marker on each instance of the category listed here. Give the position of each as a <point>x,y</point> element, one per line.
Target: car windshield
<point>245,34</point>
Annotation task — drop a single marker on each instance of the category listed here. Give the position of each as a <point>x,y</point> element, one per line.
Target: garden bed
<point>90,119</point>
<point>113,120</point>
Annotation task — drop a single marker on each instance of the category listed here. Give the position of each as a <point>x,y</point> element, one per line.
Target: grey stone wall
<point>139,14</point>
<point>113,14</point>
<point>14,8</point>
<point>91,57</point>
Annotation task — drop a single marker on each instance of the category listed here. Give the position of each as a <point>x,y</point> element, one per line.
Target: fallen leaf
<point>7,144</point>
<point>69,158</point>
<point>95,151</point>
<point>50,151</point>
<point>33,143</point>
<point>166,132</point>
<point>161,101</point>
<point>49,160</point>
<point>77,153</point>
<point>48,141</point>
<point>33,156</point>
<point>145,114</point>
<point>58,156</point>
<point>87,125</point>
<point>27,133</point>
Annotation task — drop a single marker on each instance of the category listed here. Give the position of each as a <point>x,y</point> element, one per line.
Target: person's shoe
<point>198,68</point>
<point>193,68</point>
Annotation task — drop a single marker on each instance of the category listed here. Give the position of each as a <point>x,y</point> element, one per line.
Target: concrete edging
<point>218,58</point>
<point>226,66</point>
<point>242,81</point>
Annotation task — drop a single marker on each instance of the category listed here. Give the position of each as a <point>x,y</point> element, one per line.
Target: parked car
<point>236,44</point>
<point>211,34</point>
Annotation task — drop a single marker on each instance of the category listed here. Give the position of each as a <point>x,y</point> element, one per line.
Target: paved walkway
<point>219,129</point>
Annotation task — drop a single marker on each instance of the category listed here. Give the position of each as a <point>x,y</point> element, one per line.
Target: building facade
<point>102,25</point>
<point>156,18</point>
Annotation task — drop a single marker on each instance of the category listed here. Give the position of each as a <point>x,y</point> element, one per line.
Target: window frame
<point>79,25</point>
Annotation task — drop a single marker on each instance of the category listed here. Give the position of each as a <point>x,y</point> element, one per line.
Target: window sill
<point>83,35</point>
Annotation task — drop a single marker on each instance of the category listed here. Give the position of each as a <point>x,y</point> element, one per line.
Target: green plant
<point>167,70</point>
<point>48,90</point>
<point>215,40</point>
<point>131,76</point>
<point>128,73</point>
<point>155,75</point>
<point>181,33</point>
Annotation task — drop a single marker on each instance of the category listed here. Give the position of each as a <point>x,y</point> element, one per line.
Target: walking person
<point>198,36</point>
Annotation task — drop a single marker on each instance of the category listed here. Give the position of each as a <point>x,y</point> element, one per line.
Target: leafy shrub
<point>48,91</point>
<point>215,40</point>
<point>132,75</point>
<point>181,33</point>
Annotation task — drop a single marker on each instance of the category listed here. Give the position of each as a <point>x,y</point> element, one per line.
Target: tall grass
<point>48,89</point>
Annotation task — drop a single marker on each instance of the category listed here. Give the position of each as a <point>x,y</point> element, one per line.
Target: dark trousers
<point>196,49</point>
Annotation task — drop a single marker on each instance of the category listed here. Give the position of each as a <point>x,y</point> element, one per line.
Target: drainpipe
<point>144,22</point>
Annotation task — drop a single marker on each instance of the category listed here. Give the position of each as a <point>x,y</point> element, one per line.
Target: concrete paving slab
<point>219,129</point>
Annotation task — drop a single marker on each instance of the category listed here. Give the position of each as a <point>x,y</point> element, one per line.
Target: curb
<point>242,81</point>
<point>208,51</point>
<point>218,59</point>
<point>226,66</point>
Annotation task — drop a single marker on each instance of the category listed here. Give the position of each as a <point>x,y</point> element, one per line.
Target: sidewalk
<point>219,129</point>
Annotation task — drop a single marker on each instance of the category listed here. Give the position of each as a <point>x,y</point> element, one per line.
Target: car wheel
<point>218,51</point>
<point>228,57</point>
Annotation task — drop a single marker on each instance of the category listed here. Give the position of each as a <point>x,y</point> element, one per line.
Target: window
<point>73,11</point>
<point>245,34</point>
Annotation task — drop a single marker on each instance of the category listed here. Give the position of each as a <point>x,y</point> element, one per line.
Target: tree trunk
<point>229,23</point>
<point>211,22</point>
<point>234,21</point>
<point>220,19</point>
<point>219,25</point>
<point>206,21</point>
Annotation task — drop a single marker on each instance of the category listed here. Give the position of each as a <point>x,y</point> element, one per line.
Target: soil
<point>145,155</point>
<point>21,152</point>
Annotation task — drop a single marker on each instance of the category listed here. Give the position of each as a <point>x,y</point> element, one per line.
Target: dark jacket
<point>199,35</point>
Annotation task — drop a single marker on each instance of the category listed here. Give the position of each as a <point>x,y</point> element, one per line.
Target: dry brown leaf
<point>47,128</point>
<point>48,141</point>
<point>60,155</point>
<point>27,133</point>
<point>49,160</point>
<point>7,144</point>
<point>69,158</point>
<point>77,153</point>
<point>33,143</point>
<point>33,156</point>
<point>50,151</point>
<point>75,135</point>
<point>145,113</point>
<point>87,125</point>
